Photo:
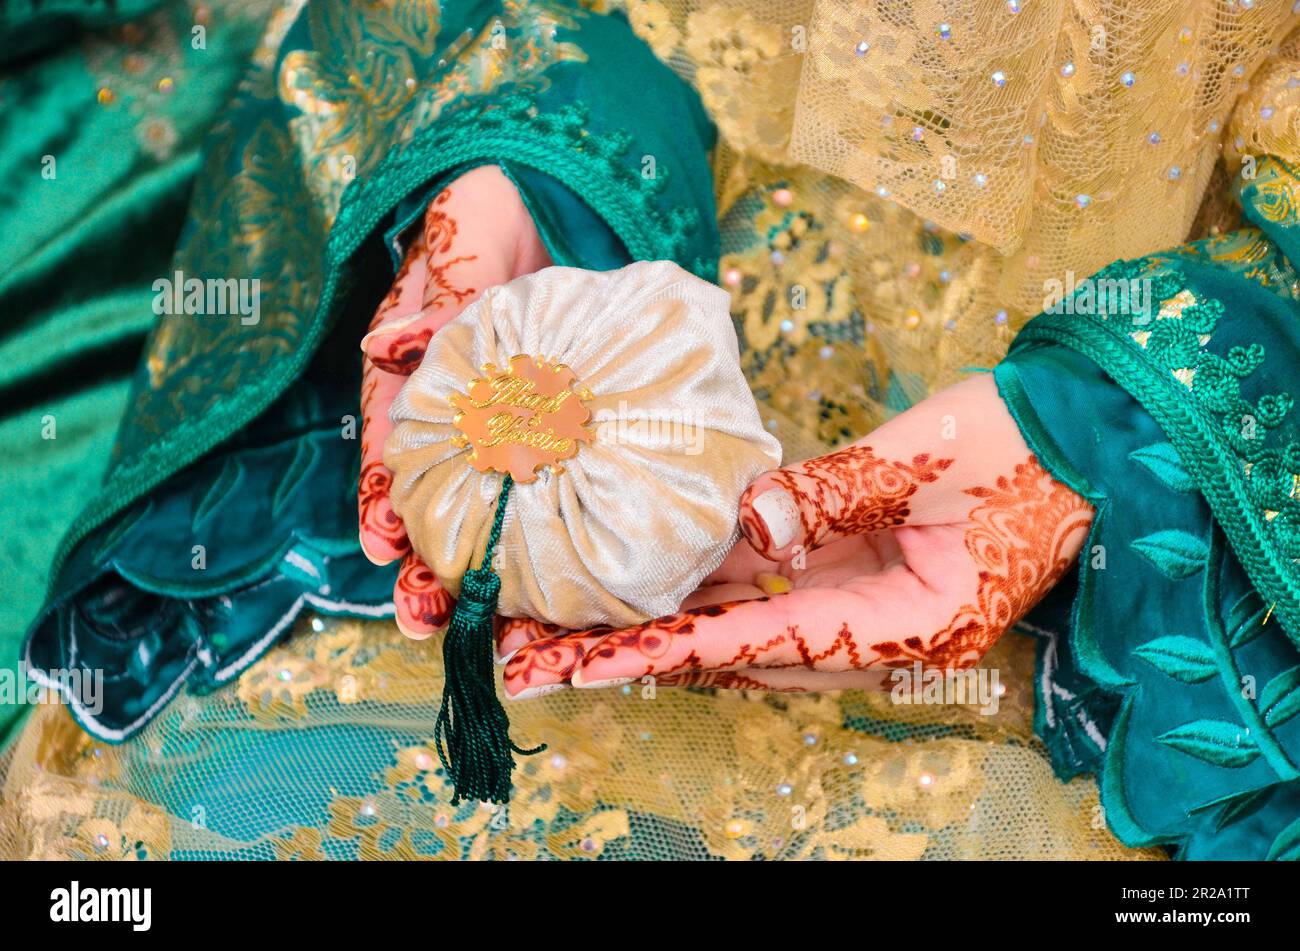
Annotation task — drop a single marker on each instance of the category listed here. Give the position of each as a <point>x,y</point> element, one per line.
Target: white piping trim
<point>117,735</point>
<point>85,718</point>
<point>301,563</point>
<point>259,647</point>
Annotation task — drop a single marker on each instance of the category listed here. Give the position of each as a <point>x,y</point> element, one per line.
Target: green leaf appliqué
<point>1176,553</point>
<point>303,459</point>
<point>1161,459</point>
<point>124,524</point>
<point>1183,658</point>
<point>1280,698</point>
<point>223,485</point>
<point>1286,847</point>
<point>1247,630</point>
<point>1214,741</point>
<point>1242,806</point>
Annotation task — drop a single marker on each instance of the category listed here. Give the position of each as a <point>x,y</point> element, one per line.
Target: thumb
<point>960,436</point>
<point>852,491</point>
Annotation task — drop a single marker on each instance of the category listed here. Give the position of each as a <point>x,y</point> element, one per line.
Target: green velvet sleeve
<point>1162,391</point>
<point>230,501</point>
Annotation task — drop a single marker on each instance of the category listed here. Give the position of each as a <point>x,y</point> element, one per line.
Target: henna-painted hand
<point>923,542</point>
<point>477,233</point>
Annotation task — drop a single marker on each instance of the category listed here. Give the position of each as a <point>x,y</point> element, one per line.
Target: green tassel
<point>473,732</point>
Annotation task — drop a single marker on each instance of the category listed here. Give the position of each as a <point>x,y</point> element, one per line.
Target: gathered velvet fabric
<point>647,508</point>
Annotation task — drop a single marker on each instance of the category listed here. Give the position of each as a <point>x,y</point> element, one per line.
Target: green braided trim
<point>506,127</point>
<point>1194,420</point>
<point>510,127</point>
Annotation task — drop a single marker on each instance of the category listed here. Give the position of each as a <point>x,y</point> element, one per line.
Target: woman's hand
<point>923,542</point>
<point>477,234</point>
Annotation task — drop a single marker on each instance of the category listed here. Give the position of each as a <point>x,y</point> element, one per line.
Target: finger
<point>383,536</point>
<point>874,621</point>
<point>445,283</point>
<point>513,633</point>
<point>397,346</point>
<point>464,254</point>
<point>855,490</point>
<point>461,228</point>
<point>407,291</point>
<point>423,604</point>
<point>544,666</point>
<point>556,661</point>
<point>447,234</point>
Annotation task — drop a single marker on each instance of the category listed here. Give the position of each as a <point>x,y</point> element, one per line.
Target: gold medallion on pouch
<point>530,416</point>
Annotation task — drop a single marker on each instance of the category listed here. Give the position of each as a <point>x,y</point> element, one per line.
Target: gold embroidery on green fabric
<point>253,225</point>
<point>262,211</point>
<point>359,88</point>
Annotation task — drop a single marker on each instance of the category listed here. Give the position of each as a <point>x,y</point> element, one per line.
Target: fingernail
<point>577,680</point>
<point>361,537</point>
<point>533,692</point>
<point>772,583</point>
<point>777,509</point>
<point>504,659</point>
<point>413,635</point>
<point>390,327</point>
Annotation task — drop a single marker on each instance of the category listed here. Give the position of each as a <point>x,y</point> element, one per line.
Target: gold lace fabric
<point>636,773</point>
<point>898,181</point>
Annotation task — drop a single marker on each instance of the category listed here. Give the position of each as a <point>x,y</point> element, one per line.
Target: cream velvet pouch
<point>616,402</point>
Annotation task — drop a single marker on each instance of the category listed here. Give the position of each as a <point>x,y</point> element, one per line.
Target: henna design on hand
<point>653,639</point>
<point>552,663</point>
<point>1021,536</point>
<point>373,485</point>
<point>721,680</point>
<point>511,628</point>
<point>1018,539</point>
<point>423,596</point>
<point>403,353</point>
<point>849,492</point>
<point>394,295</point>
<point>440,231</point>
<point>377,514</point>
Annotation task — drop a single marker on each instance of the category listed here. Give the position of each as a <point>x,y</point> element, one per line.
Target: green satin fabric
<point>103,109</point>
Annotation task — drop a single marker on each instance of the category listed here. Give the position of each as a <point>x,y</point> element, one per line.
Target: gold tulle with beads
<point>632,773</point>
<point>899,181</point>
